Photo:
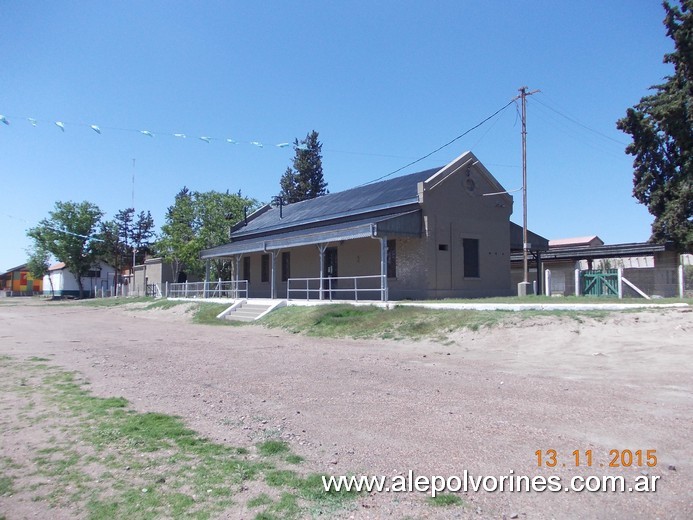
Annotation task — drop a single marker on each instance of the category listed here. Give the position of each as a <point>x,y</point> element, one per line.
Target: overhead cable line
<point>575,121</point>
<point>441,147</point>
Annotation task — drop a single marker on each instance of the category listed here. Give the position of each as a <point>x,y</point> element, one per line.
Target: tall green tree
<point>135,234</point>
<point>142,235</point>
<point>110,249</point>
<point>69,235</point>
<point>216,212</point>
<point>305,180</point>
<point>39,262</point>
<point>178,243</point>
<point>197,221</point>
<point>661,126</point>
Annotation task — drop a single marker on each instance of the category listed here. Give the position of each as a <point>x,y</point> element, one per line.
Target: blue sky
<point>382,82</point>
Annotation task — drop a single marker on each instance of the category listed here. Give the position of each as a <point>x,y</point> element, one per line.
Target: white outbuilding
<point>62,282</point>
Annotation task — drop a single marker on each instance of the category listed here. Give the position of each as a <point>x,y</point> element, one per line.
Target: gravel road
<point>485,404</point>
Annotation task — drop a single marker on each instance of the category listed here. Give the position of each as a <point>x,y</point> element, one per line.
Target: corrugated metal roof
<point>382,195</point>
<point>403,224</point>
<point>605,251</point>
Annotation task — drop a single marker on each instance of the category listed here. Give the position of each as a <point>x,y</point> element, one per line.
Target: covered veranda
<point>290,270</point>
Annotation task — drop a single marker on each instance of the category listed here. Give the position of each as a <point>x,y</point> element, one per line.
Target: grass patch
<point>113,302</point>
<point>286,508</point>
<point>342,320</point>
<point>150,465</point>
<point>294,459</point>
<point>581,300</point>
<point>163,304</point>
<point>206,314</point>
<point>262,499</point>
<point>272,447</point>
<point>6,486</point>
<point>445,500</point>
<point>411,322</point>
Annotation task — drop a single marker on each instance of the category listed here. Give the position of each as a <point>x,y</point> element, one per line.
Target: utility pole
<point>522,289</point>
<point>133,219</point>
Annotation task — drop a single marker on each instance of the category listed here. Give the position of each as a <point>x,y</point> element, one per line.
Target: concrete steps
<point>250,311</point>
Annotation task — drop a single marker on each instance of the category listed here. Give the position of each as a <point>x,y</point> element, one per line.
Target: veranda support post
<point>577,282</point>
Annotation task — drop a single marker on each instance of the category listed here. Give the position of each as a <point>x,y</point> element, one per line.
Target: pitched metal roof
<point>400,224</point>
<point>352,203</point>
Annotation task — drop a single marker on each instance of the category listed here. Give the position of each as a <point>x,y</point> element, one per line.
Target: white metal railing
<point>219,289</point>
<point>337,288</point>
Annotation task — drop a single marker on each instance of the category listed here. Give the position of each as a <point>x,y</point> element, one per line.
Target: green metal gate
<point>599,283</point>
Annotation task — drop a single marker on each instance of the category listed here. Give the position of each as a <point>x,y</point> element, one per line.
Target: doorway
<point>330,271</point>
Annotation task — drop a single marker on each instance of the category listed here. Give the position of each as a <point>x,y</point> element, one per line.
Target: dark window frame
<point>471,258</point>
<point>286,265</point>
<point>264,268</point>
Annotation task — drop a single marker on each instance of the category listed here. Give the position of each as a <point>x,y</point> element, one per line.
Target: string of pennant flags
<point>207,139</point>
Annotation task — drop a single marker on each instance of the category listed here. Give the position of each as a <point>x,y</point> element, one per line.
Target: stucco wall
<point>456,209</point>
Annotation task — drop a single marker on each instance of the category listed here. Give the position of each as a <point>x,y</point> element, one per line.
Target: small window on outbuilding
<point>392,259</point>
<point>286,266</point>
<point>471,257</point>
<point>264,269</point>
<point>442,247</point>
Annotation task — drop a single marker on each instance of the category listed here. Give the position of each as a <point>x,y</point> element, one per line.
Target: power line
<point>440,147</point>
<point>575,121</point>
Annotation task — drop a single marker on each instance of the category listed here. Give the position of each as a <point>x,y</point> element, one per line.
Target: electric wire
<point>440,147</point>
<point>576,122</point>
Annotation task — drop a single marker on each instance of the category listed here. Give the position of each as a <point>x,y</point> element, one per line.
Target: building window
<point>94,273</point>
<point>442,247</point>
<point>471,257</point>
<point>264,270</point>
<point>392,259</point>
<point>286,266</point>
<point>246,268</point>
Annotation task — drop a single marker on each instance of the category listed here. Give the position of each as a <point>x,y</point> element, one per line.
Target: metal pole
<point>525,242</point>
<point>133,217</point>
<point>523,97</point>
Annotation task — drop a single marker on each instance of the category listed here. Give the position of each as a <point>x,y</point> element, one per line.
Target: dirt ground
<point>485,404</point>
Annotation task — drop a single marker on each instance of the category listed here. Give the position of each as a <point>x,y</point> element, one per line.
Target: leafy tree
<point>197,221</point>
<point>178,243</point>
<point>109,248</point>
<point>39,262</point>
<point>69,235</point>
<point>661,126</point>
<point>305,180</point>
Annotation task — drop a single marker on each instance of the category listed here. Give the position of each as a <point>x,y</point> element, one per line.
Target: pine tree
<point>661,126</point>
<point>305,180</point>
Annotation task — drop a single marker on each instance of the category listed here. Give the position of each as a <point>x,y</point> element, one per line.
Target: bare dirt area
<point>485,404</point>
